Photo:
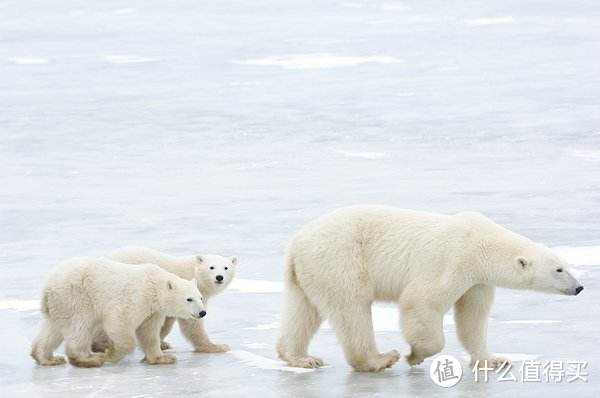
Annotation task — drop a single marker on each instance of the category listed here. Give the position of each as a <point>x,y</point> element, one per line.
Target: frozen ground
<point>222,126</point>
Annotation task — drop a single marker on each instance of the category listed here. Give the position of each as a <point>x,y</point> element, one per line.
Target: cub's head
<point>185,300</point>
<point>543,270</point>
<point>214,272</point>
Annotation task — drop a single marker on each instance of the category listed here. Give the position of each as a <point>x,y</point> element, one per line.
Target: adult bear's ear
<point>233,260</point>
<point>523,262</point>
<point>170,285</point>
<point>200,259</point>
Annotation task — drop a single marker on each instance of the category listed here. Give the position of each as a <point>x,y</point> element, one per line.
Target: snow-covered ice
<point>224,126</point>
<point>318,61</point>
<point>27,60</point>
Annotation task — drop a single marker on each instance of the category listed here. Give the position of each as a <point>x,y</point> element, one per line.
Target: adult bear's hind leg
<point>299,322</point>
<point>353,325</point>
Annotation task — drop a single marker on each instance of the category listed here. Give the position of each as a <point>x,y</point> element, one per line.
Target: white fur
<point>88,296</point>
<point>338,265</point>
<point>204,268</point>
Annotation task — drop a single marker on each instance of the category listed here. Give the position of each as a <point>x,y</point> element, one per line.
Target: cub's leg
<point>48,339</point>
<point>164,332</point>
<point>353,325</point>
<point>299,322</point>
<point>471,313</point>
<point>121,335</point>
<point>193,330</point>
<point>101,342</point>
<point>78,340</point>
<point>148,335</point>
<point>422,327</point>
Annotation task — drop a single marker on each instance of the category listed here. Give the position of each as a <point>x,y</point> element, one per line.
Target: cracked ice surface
<point>223,126</point>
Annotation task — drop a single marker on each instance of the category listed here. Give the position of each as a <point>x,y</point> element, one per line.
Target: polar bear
<point>213,274</point>
<point>339,264</point>
<point>87,296</point>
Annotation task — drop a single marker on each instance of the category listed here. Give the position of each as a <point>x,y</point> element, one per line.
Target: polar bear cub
<point>87,296</point>
<point>338,265</point>
<point>213,274</point>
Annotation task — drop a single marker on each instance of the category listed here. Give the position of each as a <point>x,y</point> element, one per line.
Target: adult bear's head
<point>543,270</point>
<point>513,261</point>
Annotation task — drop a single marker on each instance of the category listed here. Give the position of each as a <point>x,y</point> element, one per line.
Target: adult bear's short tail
<point>290,273</point>
<point>44,304</point>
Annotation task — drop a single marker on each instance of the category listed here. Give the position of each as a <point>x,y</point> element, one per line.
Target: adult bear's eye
<point>226,268</point>
<point>212,267</point>
<point>190,300</point>
<point>559,270</point>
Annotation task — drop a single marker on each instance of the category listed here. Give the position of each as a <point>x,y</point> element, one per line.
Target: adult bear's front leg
<point>471,313</point>
<point>422,327</point>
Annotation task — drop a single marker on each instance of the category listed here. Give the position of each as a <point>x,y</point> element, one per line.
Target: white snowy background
<point>221,126</point>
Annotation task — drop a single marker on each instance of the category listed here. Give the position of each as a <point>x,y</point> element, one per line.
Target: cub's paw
<point>54,361</point>
<point>101,346</point>
<point>390,358</point>
<point>414,360</point>
<point>162,360</point>
<point>492,361</point>
<point>306,362</point>
<point>381,362</point>
<point>164,345</point>
<point>213,348</point>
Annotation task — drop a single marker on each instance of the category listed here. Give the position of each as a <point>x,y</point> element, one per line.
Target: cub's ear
<point>523,262</point>
<point>170,285</point>
<point>233,260</point>
<point>200,259</point>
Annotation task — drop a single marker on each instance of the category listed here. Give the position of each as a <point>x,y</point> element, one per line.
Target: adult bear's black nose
<point>202,314</point>
<point>220,278</point>
<point>578,290</point>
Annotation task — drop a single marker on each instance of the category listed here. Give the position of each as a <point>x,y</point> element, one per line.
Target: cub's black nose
<point>220,278</point>
<point>578,290</point>
<point>202,314</point>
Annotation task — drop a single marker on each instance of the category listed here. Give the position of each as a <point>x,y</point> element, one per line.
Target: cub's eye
<point>190,300</point>
<point>212,267</point>
<point>226,268</point>
<point>559,270</point>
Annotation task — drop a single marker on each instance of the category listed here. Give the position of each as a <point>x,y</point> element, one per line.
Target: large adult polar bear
<point>339,264</point>
<point>87,296</point>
